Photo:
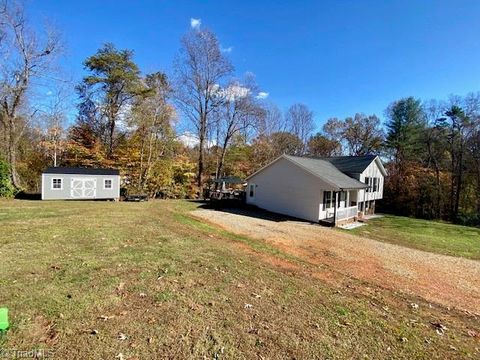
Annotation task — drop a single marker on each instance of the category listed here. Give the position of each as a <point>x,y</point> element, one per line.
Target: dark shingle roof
<point>81,171</point>
<point>351,165</point>
<point>327,171</point>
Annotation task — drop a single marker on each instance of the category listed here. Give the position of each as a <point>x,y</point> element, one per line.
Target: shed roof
<point>326,171</point>
<point>81,171</point>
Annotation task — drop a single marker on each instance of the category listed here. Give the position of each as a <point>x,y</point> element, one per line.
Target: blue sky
<point>338,57</point>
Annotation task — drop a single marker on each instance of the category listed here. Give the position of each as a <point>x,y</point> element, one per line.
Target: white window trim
<point>328,203</point>
<point>61,183</point>
<point>109,188</point>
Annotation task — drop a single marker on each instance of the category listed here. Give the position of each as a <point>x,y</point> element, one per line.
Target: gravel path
<point>450,281</point>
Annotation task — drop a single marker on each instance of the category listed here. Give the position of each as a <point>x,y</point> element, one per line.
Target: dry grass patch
<point>93,280</point>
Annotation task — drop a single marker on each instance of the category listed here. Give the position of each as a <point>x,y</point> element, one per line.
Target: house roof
<point>229,180</point>
<point>327,172</point>
<point>354,164</point>
<point>323,170</point>
<point>81,171</point>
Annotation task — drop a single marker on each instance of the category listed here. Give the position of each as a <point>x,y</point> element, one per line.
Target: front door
<point>83,188</point>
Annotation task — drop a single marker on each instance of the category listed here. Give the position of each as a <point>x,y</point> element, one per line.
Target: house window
<point>368,181</point>
<point>327,199</point>
<point>342,197</point>
<point>107,183</point>
<point>56,184</point>
<point>375,184</point>
<point>251,192</point>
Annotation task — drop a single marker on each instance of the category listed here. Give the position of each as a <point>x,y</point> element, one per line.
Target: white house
<point>331,190</point>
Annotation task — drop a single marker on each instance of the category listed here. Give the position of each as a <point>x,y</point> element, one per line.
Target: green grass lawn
<point>92,280</point>
<point>433,236</point>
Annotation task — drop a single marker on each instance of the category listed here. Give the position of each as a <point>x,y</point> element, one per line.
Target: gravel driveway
<point>447,280</point>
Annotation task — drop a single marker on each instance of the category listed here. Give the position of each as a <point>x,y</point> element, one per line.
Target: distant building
<point>70,183</point>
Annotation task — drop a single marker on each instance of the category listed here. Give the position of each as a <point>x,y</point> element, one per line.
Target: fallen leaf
<point>94,332</point>
<point>472,333</point>
<point>439,328</point>
<point>120,287</point>
<point>248,306</point>
<point>120,357</point>
<point>121,336</point>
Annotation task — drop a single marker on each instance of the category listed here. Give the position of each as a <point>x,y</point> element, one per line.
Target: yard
<point>103,280</point>
<point>434,236</point>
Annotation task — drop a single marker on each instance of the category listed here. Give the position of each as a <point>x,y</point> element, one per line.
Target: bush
<point>6,187</point>
<point>468,219</point>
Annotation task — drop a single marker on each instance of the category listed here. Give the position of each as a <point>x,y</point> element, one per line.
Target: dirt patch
<point>450,281</point>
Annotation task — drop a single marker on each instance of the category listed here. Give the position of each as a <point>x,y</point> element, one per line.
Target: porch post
<point>335,198</point>
<point>348,199</point>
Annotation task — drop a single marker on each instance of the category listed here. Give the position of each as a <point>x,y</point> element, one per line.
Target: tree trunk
<point>12,152</point>
<point>224,152</point>
<point>478,188</point>
<point>201,154</point>
<point>452,186</point>
<point>110,138</point>
<point>459,179</point>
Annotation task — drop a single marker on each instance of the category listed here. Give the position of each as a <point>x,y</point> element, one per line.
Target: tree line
<point>129,120</point>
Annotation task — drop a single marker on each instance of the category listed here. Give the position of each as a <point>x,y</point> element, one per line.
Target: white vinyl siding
<point>284,187</point>
<point>373,177</point>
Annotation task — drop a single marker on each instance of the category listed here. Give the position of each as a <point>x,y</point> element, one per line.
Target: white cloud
<point>227,49</point>
<point>188,139</point>
<point>195,23</point>
<point>49,93</point>
<point>191,140</point>
<point>262,95</point>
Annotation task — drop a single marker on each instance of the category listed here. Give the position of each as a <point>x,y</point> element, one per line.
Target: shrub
<point>6,187</point>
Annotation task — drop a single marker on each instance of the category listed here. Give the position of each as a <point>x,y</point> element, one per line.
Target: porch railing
<point>347,213</point>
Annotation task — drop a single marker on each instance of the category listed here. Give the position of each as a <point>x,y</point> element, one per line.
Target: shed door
<point>83,188</point>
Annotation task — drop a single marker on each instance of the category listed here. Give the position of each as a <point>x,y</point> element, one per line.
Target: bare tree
<point>53,120</point>
<point>238,113</point>
<point>300,121</point>
<point>199,70</point>
<point>272,120</point>
<point>27,57</point>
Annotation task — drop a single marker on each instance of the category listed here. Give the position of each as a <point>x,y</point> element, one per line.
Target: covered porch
<point>338,206</point>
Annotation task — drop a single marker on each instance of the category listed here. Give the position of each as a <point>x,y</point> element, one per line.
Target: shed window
<point>251,191</point>
<point>107,183</point>
<point>327,199</point>
<point>57,183</point>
